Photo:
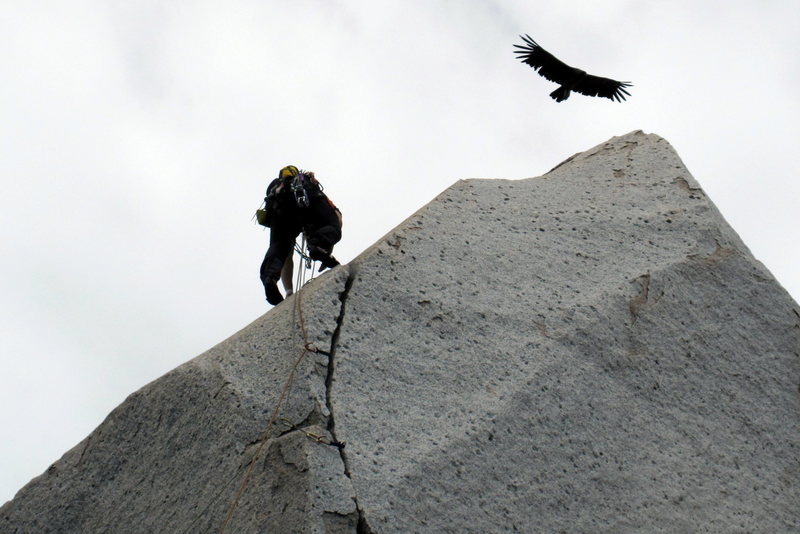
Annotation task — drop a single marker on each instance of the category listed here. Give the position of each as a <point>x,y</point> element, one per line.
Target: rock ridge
<point>590,350</point>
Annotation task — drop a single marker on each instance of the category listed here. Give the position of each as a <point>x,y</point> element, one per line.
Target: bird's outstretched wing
<point>605,87</point>
<point>570,78</point>
<point>543,61</point>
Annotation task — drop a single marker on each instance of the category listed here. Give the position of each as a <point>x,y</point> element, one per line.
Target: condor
<point>569,78</point>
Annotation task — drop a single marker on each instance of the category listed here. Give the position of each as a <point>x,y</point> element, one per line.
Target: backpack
<point>299,188</point>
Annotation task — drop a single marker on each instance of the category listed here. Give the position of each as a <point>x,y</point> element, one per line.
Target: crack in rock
<point>362,526</point>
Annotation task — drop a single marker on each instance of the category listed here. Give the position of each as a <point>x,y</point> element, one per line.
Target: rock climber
<point>295,203</point>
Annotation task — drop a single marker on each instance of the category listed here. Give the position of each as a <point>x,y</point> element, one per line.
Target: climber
<point>295,203</point>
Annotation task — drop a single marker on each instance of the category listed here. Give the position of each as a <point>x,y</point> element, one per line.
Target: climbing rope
<point>306,264</point>
<point>298,321</point>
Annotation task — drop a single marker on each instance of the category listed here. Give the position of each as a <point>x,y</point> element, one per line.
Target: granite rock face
<point>592,350</point>
<point>174,455</point>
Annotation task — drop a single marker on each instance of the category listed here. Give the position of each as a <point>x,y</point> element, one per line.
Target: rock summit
<point>591,350</point>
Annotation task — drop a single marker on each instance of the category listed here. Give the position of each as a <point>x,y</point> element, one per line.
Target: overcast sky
<point>138,138</point>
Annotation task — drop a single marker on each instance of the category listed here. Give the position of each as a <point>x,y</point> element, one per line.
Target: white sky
<point>138,138</point>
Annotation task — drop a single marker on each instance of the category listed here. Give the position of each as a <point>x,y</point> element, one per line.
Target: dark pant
<point>321,226</point>
<point>282,236</point>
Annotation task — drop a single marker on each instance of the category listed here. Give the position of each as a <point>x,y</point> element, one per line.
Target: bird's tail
<point>560,94</point>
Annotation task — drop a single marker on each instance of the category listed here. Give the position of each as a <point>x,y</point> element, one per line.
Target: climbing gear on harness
<point>306,264</point>
<point>262,215</point>
<point>299,191</point>
<point>308,261</point>
<point>290,177</point>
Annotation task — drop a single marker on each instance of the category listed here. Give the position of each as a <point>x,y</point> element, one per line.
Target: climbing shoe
<point>328,262</point>
<point>274,296</point>
<point>320,255</point>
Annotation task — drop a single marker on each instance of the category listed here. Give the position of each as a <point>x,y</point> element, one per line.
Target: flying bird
<point>570,78</point>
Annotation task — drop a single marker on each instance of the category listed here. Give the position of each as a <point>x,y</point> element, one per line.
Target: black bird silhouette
<point>570,78</point>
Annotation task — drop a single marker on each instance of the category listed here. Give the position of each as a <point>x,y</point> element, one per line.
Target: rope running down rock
<point>307,347</point>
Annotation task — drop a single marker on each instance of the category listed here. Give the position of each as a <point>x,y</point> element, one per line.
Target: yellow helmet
<point>289,171</point>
